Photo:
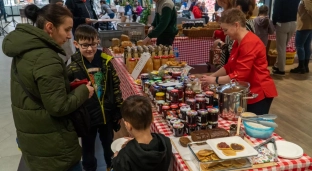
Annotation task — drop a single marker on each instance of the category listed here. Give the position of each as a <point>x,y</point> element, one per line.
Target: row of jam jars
<point>213,116</point>
<point>209,98</point>
<point>174,96</point>
<point>202,119</point>
<point>183,112</point>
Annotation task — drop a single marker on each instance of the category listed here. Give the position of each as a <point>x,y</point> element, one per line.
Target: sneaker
<point>279,73</point>
<point>274,68</point>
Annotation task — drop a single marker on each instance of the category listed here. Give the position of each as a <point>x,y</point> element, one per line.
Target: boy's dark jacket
<point>155,156</point>
<point>111,108</point>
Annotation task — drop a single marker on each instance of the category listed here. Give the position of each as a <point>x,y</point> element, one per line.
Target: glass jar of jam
<point>183,112</point>
<point>164,60</point>
<point>168,94</point>
<point>213,116</point>
<point>189,93</point>
<point>145,88</point>
<point>167,78</point>
<point>190,128</point>
<point>178,129</point>
<point>175,75</point>
<point>144,77</point>
<point>202,116</point>
<point>168,119</point>
<point>160,96</point>
<point>157,79</point>
<point>202,126</point>
<point>174,120</point>
<point>174,107</point>
<point>191,117</point>
<point>174,96</point>
<point>181,93</point>
<point>199,96</point>
<point>200,103</point>
<point>156,90</point>
<point>209,98</point>
<point>165,109</point>
<point>156,63</point>
<point>159,105</point>
<point>191,103</point>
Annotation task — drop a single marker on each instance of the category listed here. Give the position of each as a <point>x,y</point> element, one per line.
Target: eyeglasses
<point>86,46</point>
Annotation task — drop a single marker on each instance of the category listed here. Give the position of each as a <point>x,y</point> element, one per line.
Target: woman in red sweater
<point>198,13</point>
<point>247,63</point>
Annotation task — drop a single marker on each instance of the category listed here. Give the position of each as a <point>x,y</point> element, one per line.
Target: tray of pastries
<point>205,159</point>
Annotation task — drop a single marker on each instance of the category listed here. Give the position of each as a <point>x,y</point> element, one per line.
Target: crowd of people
<point>43,97</point>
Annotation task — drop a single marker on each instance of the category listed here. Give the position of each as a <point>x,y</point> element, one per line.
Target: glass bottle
<point>189,93</point>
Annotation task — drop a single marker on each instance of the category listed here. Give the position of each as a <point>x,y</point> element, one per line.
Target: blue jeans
<point>111,15</point>
<point>76,167</point>
<point>303,44</point>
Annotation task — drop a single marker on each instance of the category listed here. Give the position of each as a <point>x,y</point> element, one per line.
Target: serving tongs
<point>270,140</point>
<point>262,122</point>
<point>265,117</point>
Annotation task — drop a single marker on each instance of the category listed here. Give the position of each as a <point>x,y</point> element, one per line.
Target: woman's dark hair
<point>247,6</point>
<point>49,13</point>
<point>85,32</point>
<point>233,15</point>
<point>263,10</point>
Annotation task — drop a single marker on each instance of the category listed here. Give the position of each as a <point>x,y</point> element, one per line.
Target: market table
<point>196,50</point>
<point>159,125</point>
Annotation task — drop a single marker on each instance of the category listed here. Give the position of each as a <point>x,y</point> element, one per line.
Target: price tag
<point>140,65</point>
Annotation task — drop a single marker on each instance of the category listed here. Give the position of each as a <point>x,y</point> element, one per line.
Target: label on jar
<point>197,105</point>
<point>207,100</point>
<point>180,115</point>
<point>157,108</point>
<point>167,96</point>
<point>199,118</point>
<point>186,119</point>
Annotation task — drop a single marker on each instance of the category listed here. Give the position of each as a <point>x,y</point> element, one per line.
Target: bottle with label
<point>149,65</point>
<point>176,53</point>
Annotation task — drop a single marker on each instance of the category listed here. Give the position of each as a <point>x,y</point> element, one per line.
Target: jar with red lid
<point>201,126</point>
<point>165,109</point>
<point>191,117</point>
<point>213,116</point>
<point>156,63</point>
<point>209,98</point>
<point>200,95</point>
<point>202,116</point>
<point>190,128</point>
<point>174,107</point>
<point>181,93</point>
<point>167,78</point>
<point>183,112</point>
<point>174,96</point>
<point>182,104</point>
<point>189,93</point>
<point>168,119</point>
<point>176,74</point>
<point>200,103</point>
<point>191,103</point>
<point>159,105</point>
<point>168,94</point>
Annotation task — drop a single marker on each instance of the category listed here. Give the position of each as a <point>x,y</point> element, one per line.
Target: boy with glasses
<point>104,106</point>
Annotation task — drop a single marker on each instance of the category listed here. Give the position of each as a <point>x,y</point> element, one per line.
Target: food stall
<point>185,157</point>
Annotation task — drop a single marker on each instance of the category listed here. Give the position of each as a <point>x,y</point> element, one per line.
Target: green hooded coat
<point>46,136</point>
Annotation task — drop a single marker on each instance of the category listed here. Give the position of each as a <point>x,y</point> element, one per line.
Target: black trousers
<point>261,107</point>
<point>166,41</point>
<point>106,134</point>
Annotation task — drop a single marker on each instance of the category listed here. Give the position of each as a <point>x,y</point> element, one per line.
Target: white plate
<point>116,145</point>
<point>248,151</point>
<point>286,149</point>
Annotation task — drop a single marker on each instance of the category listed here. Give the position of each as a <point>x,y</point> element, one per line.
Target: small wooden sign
<point>140,65</point>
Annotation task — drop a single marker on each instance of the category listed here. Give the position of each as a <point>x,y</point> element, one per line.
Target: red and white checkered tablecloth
<point>291,42</point>
<point>193,50</point>
<point>159,125</point>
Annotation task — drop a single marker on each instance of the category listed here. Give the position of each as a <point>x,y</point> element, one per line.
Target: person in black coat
<point>83,12</point>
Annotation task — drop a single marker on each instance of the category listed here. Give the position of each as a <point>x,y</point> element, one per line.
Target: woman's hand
<point>150,29</point>
<point>208,79</point>
<point>91,89</point>
<point>146,40</point>
<point>215,44</point>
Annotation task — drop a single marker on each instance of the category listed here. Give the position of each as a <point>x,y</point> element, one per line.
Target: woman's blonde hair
<point>233,15</point>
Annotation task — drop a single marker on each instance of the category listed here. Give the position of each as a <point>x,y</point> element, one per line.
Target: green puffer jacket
<point>46,137</point>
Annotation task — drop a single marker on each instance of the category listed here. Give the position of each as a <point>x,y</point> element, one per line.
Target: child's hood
<point>149,156</point>
<point>262,21</point>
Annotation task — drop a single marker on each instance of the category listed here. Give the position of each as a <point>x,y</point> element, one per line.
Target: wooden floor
<point>293,107</point>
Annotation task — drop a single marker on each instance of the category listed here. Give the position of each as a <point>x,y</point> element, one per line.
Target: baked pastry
<point>184,141</point>
<point>203,135</point>
<point>237,147</point>
<point>124,37</point>
<point>121,49</point>
<point>116,49</point>
<point>223,146</point>
<point>126,44</point>
<point>140,43</point>
<point>229,152</point>
<point>115,42</point>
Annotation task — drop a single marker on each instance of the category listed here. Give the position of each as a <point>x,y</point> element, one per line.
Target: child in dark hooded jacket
<point>147,151</point>
<point>263,25</point>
